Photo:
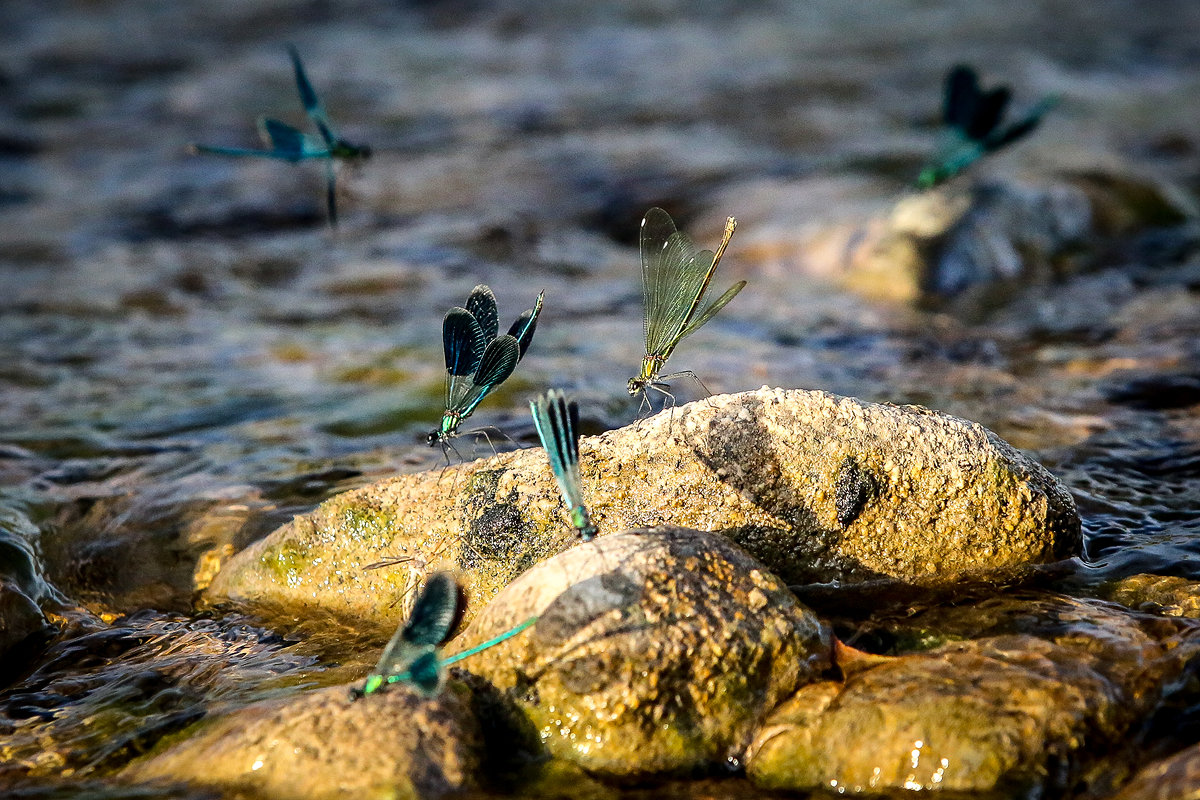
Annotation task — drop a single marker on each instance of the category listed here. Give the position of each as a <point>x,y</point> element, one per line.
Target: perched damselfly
<point>413,655</point>
<point>557,423</point>
<point>972,119</point>
<point>477,360</point>
<point>675,281</point>
<point>286,143</point>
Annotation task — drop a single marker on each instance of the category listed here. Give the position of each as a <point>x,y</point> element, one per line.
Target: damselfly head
<point>635,386</point>
<point>433,437</point>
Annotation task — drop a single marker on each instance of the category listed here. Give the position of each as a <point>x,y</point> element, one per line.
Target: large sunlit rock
<point>818,487</point>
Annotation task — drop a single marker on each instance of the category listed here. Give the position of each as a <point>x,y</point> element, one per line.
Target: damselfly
<point>557,423</point>
<point>972,120</point>
<point>477,360</point>
<point>675,280</point>
<point>413,656</point>
<point>286,143</point>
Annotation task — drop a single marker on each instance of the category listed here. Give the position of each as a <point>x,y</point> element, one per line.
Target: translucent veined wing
<point>961,98</point>
<point>482,305</point>
<point>673,274</point>
<point>310,101</point>
<point>988,113</point>
<point>498,362</point>
<point>711,311</point>
<point>464,344</point>
<point>675,306</point>
<point>522,330</point>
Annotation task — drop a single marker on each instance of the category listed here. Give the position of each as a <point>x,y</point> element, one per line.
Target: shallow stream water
<point>189,356</point>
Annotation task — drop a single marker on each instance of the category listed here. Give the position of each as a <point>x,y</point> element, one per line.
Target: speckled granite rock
<point>655,650</point>
<point>321,745</point>
<point>817,487</point>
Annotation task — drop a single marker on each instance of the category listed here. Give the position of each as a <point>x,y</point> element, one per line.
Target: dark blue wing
<point>482,305</point>
<point>286,142</point>
<point>310,101</point>
<point>961,97</point>
<point>988,113</point>
<point>437,610</point>
<point>1020,129</point>
<point>463,342</point>
<point>522,330</point>
<point>427,673</point>
<point>498,362</point>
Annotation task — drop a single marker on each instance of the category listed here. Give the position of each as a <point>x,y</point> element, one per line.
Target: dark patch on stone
<point>499,531</point>
<point>853,488</point>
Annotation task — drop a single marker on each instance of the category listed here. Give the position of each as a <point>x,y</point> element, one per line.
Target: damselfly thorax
<point>651,366</point>
<point>450,421</point>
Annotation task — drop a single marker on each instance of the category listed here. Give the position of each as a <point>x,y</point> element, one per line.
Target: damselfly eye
<point>432,438</point>
<point>635,386</point>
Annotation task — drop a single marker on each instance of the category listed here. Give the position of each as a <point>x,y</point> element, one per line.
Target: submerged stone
<point>1027,710</point>
<point>1173,596</point>
<point>655,650</point>
<point>818,487</point>
<point>971,244</point>
<point>1173,778</point>
<point>323,746</point>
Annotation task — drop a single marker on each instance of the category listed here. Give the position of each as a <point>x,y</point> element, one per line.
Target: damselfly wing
<point>675,283</point>
<point>557,422</point>
<point>477,360</point>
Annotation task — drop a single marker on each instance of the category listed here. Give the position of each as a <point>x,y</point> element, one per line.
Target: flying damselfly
<point>972,119</point>
<point>289,144</point>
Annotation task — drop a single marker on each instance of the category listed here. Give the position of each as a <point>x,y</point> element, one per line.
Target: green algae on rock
<point>1033,707</point>
<point>817,487</point>
<point>655,650</point>
<point>322,746</point>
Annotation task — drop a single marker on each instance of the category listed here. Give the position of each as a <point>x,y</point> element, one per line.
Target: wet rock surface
<point>322,745</point>
<point>1024,707</point>
<point>1173,778</point>
<point>655,651</point>
<point>973,247</point>
<point>818,487</point>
